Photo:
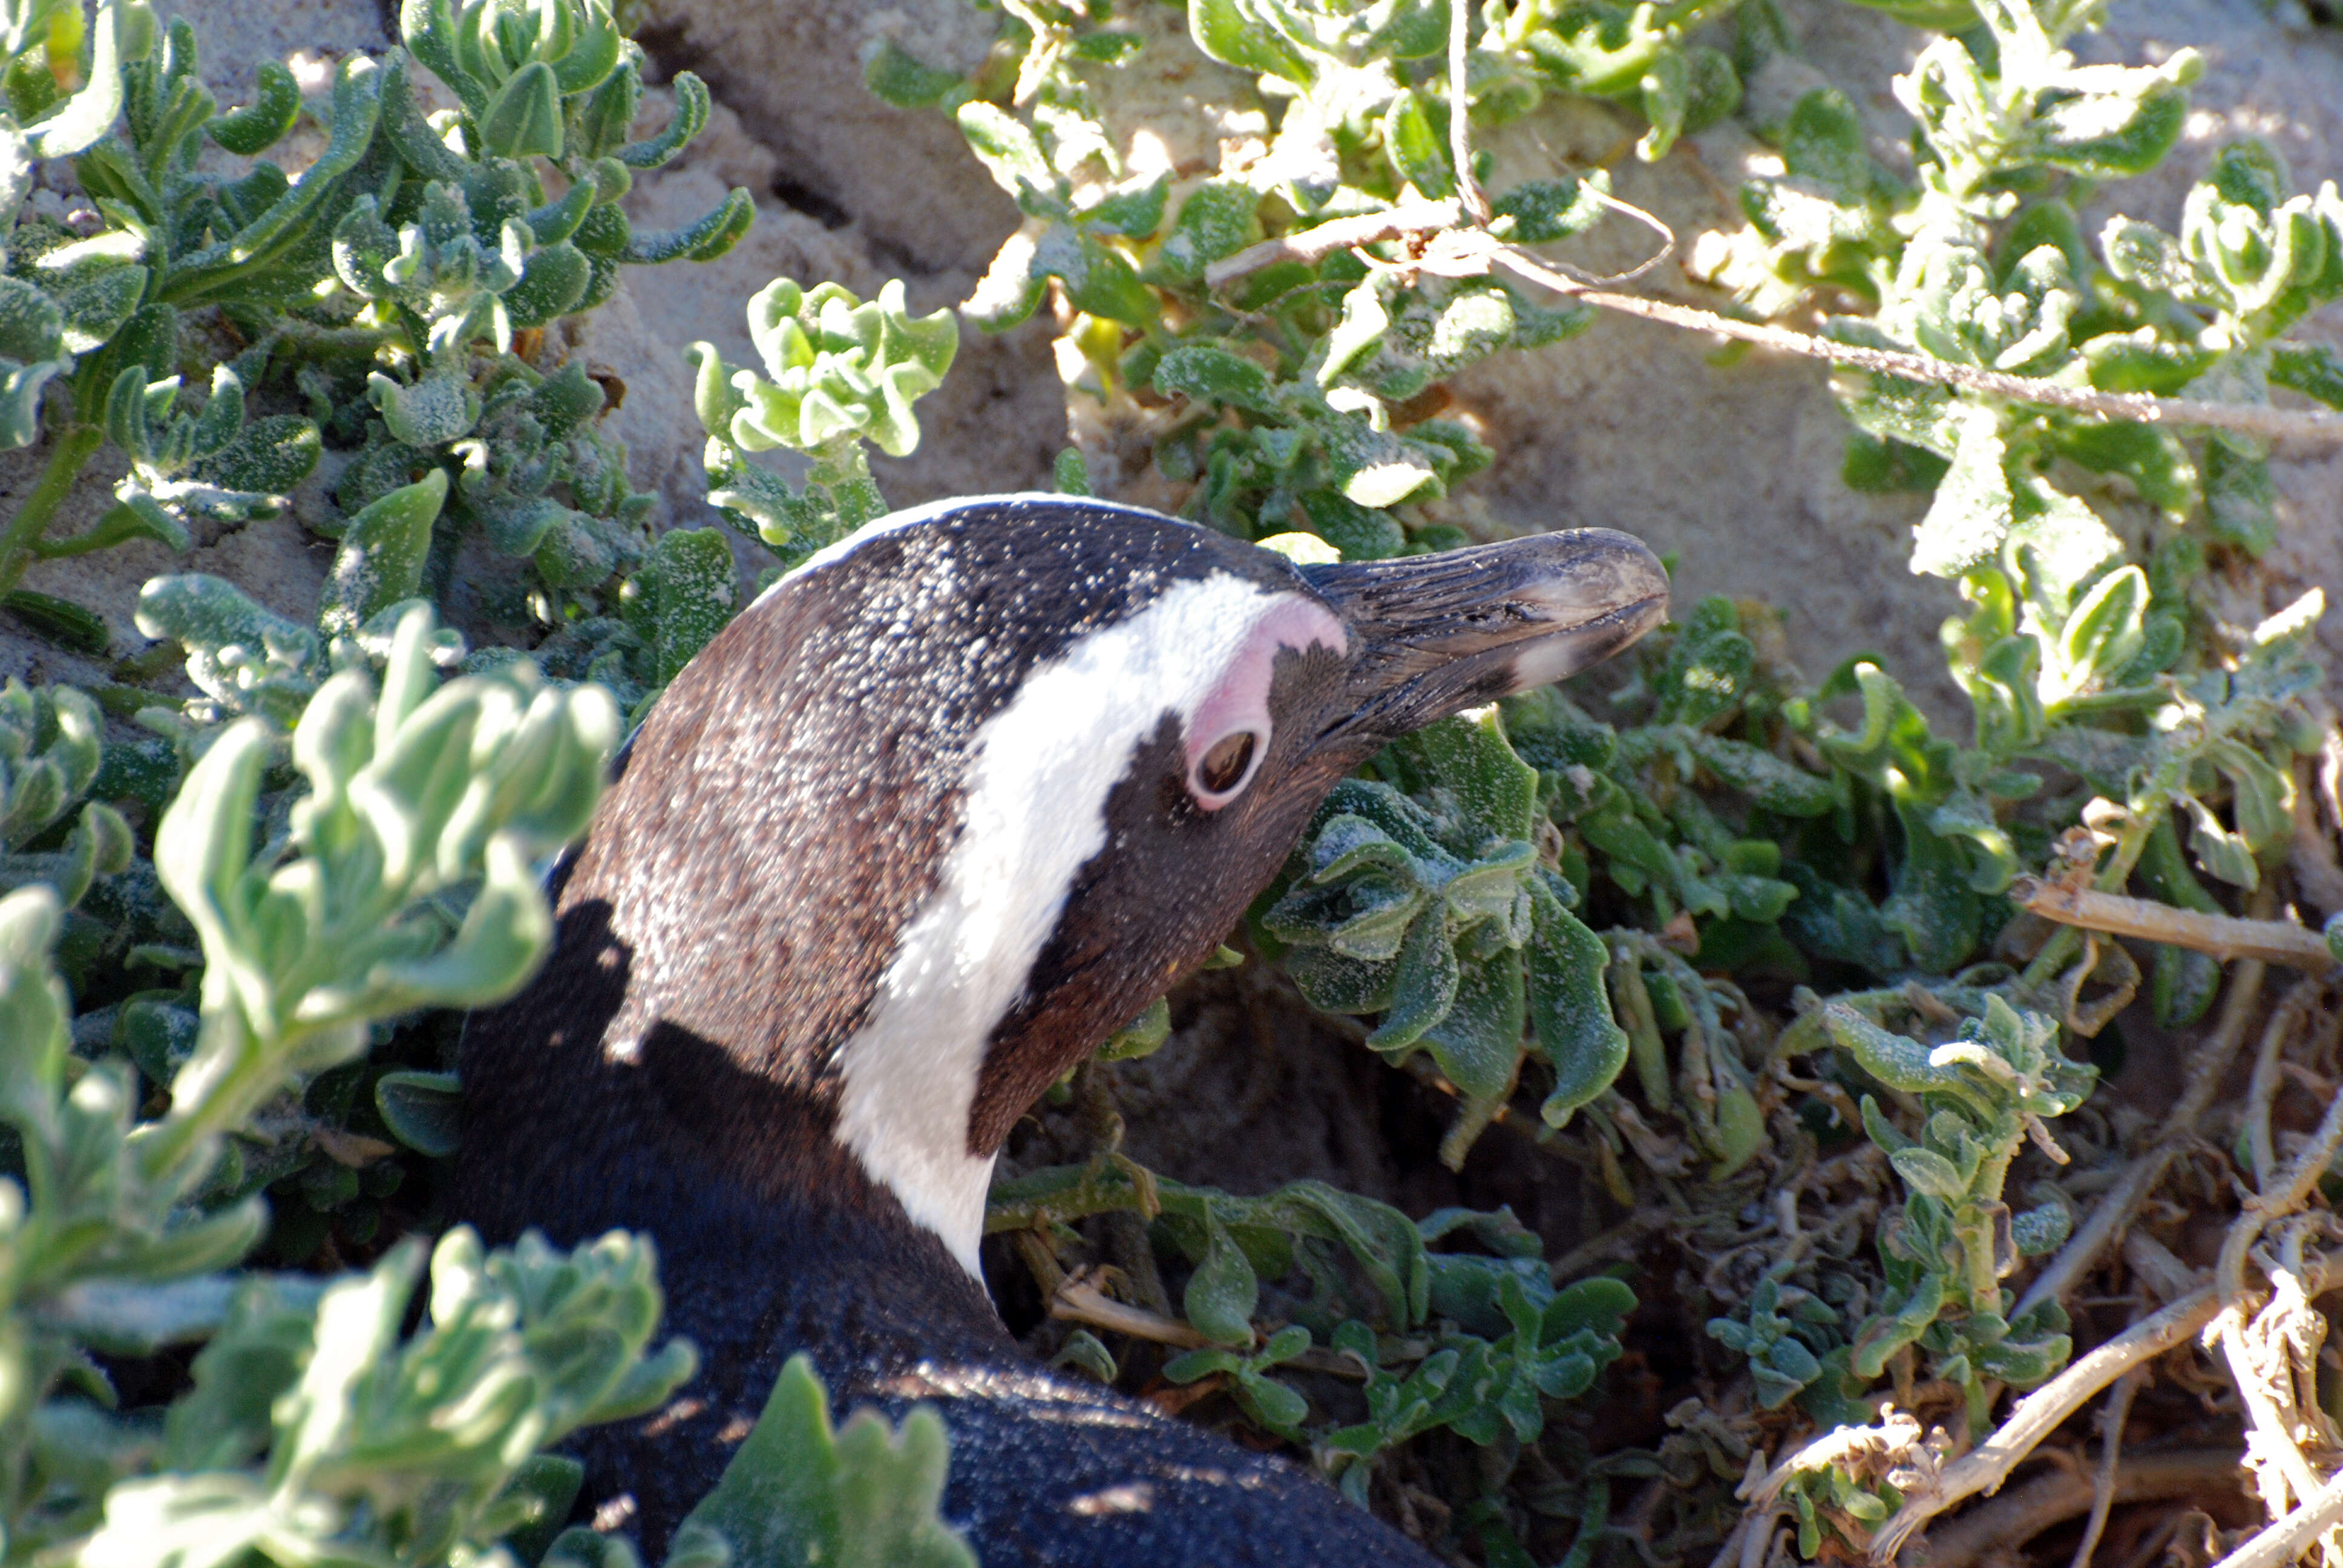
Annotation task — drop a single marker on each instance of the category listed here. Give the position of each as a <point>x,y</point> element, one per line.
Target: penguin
<point>944,806</point>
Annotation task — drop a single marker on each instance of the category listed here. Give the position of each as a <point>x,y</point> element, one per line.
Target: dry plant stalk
<point>2112,1416</point>
<point>1984,1468</point>
<point>1455,252</point>
<point>2207,1068</point>
<point>2225,937</point>
<point>1078,1300</point>
<point>2062,1493</point>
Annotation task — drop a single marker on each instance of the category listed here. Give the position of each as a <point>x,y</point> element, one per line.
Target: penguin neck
<point>590,1106</point>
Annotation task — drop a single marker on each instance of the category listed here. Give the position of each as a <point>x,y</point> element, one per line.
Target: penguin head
<point>963,793</point>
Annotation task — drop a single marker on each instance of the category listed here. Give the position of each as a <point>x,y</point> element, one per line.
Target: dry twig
<point>2112,1417</point>
<point>1081,1301</point>
<point>2285,1540</point>
<point>2024,1512</point>
<point>2035,1417</point>
<point>1078,1300</point>
<point>2225,937</point>
<point>1453,251</point>
<point>2257,1351</point>
<point>2207,1068</point>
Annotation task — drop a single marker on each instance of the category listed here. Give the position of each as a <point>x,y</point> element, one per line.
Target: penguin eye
<point>1216,775</point>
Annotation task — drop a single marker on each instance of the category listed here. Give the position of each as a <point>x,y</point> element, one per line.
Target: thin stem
<point>2284,1541</point>
<point>1474,252</point>
<point>2139,407</point>
<point>2000,1528</point>
<point>2111,878</point>
<point>2225,937</point>
<point>1460,120</point>
<point>1078,1300</point>
<point>2261,1092</point>
<point>1343,234</point>
<point>2206,1068</point>
<point>2103,1491</point>
<point>75,449</point>
<point>2039,1413</point>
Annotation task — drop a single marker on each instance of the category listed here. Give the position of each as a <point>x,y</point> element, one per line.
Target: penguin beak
<point>1434,634</point>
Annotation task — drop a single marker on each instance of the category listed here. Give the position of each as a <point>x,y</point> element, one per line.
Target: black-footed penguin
<point>949,804</point>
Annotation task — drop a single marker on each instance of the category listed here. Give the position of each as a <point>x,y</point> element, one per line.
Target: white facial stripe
<point>1240,699</point>
<point>1034,810</point>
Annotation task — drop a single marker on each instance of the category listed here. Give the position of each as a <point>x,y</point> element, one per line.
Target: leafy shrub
<point>1530,902</point>
<point>1697,949</point>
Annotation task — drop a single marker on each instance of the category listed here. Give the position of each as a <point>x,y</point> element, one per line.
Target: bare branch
<point>1466,252</point>
<point>2285,1540</point>
<point>1459,119</point>
<point>2035,1417</point>
<point>2225,937</point>
<point>2039,1413</point>
<point>2207,1068</point>
<point>2058,1495</point>
<point>1078,1300</point>
<point>2112,1417</point>
<point>1343,234</point>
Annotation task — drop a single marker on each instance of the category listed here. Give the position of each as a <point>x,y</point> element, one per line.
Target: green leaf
<point>275,105</point>
<point>692,103</point>
<point>1205,374</point>
<point>1666,92</point>
<point>1245,33</point>
<point>1768,781</point>
<point>1570,1009</point>
<point>2313,369</point>
<point>1221,1293</point>
<point>1883,1334</point>
<point>1924,1170</point>
<point>1896,1061</point>
<point>32,327</point>
<point>1425,984</point>
<point>2240,495</point>
<point>2107,136</point>
<point>35,1009</point>
<point>431,412</point>
<point>2103,635</point>
<point>796,1492</point>
<point>1414,147</point>
<point>380,562</point>
<point>1971,514</point>
<point>1141,1037</point>
<point>201,276</point>
<point>1134,211</point>
<point>894,75</point>
<point>1478,1040</point>
<point>90,112</point>
<point>712,235</point>
<point>423,1110</point>
<point>551,284</point>
<point>688,596</point>
<point>546,1485</point>
<point>59,621</point>
<point>268,455</point>
<point>1013,155</point>
<point>1537,211</point>
<point>1217,219</point>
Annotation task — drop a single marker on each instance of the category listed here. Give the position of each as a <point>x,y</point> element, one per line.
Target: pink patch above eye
<point>1240,700</point>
